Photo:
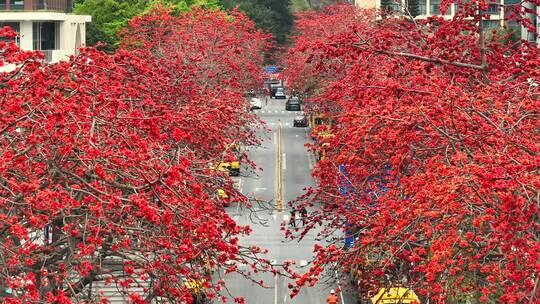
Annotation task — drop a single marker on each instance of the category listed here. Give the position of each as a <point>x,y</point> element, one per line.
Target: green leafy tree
<point>300,5</point>
<point>274,16</point>
<point>110,16</point>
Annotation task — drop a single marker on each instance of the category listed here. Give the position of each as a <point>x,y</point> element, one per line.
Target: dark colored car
<point>293,104</point>
<point>300,121</point>
<point>273,87</point>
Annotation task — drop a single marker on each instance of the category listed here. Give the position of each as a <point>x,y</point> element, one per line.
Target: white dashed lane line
<point>278,112</point>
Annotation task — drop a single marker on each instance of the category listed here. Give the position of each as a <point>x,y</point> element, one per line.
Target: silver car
<point>256,103</point>
<point>280,94</point>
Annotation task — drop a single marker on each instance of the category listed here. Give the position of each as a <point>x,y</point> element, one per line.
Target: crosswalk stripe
<point>278,111</point>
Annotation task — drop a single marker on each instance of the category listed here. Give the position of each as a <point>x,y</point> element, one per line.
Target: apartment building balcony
<point>60,6</point>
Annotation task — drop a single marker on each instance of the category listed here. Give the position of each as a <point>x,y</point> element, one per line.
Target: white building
<point>498,11</point>
<point>45,25</point>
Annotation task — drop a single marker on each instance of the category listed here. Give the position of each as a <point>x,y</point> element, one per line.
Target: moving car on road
<point>300,121</point>
<point>280,93</point>
<point>293,105</point>
<point>256,103</point>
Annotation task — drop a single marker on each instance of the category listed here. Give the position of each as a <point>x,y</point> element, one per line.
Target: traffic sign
<point>270,69</point>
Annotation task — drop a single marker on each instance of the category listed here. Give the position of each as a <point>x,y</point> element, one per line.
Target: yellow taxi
<point>395,295</point>
<point>223,197</point>
<point>233,167</point>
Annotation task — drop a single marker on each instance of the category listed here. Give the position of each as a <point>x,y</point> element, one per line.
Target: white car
<point>280,94</point>
<point>256,103</point>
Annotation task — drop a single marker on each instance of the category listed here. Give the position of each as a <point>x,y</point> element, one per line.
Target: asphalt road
<point>296,167</point>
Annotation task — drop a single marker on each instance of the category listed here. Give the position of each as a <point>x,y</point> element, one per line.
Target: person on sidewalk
<point>303,214</point>
<point>332,298</point>
<point>292,222</point>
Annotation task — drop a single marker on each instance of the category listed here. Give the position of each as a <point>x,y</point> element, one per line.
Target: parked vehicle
<point>224,197</point>
<point>280,94</point>
<point>293,105</point>
<point>395,295</point>
<point>197,290</point>
<point>320,123</point>
<point>233,168</point>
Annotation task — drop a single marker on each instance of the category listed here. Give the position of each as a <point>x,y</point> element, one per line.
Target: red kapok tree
<point>433,164</point>
<point>107,170</point>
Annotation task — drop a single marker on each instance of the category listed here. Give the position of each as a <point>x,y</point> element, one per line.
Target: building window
<point>6,5</point>
<point>416,7</point>
<point>45,35</point>
<point>422,6</point>
<point>435,8</point>
<point>493,8</point>
<point>14,26</point>
<point>17,4</point>
<point>492,24</point>
<point>391,5</point>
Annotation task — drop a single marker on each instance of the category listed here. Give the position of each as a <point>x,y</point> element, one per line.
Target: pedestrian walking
<point>303,214</point>
<point>332,298</point>
<point>292,222</point>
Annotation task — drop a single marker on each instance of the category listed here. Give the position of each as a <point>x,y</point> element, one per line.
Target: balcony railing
<point>63,6</point>
<point>48,55</point>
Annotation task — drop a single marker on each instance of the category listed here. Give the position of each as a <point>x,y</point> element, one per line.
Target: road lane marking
<point>238,185</point>
<point>275,138</point>
<point>284,162</point>
<point>284,287</point>
<point>310,161</point>
<point>279,170</point>
<point>275,289</point>
<point>261,189</point>
<point>274,262</point>
<point>339,286</point>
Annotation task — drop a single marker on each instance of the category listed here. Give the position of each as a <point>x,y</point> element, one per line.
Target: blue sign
<point>377,185</point>
<point>349,237</point>
<point>270,69</point>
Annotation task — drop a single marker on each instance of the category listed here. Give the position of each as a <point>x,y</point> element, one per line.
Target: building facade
<point>45,25</point>
<point>425,8</point>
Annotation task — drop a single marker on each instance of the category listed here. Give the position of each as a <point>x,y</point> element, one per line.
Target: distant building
<point>45,25</point>
<point>425,8</point>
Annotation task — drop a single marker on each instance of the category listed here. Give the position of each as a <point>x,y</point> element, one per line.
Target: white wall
<point>67,27</point>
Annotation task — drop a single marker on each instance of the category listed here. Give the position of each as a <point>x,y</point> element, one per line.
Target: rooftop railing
<point>63,6</point>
